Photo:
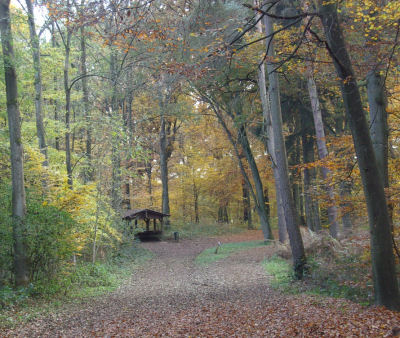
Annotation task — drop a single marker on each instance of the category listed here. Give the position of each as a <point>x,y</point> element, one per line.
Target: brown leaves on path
<point>173,297</point>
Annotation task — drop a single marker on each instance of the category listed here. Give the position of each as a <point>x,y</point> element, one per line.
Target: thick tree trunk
<point>88,171</point>
<point>378,122</point>
<point>164,169</point>
<point>322,150</point>
<point>296,242</point>
<point>383,267</point>
<point>21,269</point>
<point>38,82</point>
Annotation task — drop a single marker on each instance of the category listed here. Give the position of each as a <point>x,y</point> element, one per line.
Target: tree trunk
<point>261,205</point>
<point>21,269</point>
<point>55,81</point>
<point>296,242</point>
<point>270,147</point>
<point>246,206</point>
<point>242,169</point>
<point>38,82</point>
<point>345,193</point>
<point>164,169</point>
<point>148,168</point>
<point>322,150</point>
<point>383,266</point>
<point>67,91</point>
<point>311,203</point>
<point>88,171</point>
<point>196,203</point>
<point>115,139</point>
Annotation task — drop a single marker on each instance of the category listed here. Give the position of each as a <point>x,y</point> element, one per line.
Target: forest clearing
<point>200,167</point>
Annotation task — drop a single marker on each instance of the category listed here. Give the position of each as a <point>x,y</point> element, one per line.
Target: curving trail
<point>171,296</point>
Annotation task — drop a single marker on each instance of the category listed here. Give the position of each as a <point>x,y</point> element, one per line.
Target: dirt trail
<point>171,296</point>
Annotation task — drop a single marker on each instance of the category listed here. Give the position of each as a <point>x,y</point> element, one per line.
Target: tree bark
<point>270,147</point>
<point>88,171</point>
<point>21,269</point>
<point>116,199</point>
<point>67,90</point>
<point>164,169</point>
<point>379,124</point>
<point>55,81</point>
<point>296,242</point>
<point>196,202</point>
<point>383,267</point>
<point>246,206</point>
<point>309,174</point>
<point>322,149</point>
<point>241,166</point>
<point>261,205</point>
<point>148,169</point>
<point>38,82</point>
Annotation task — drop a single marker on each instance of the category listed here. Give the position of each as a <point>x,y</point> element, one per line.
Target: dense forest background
<point>278,115</point>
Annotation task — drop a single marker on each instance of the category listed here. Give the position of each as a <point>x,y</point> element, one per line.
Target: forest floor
<point>172,296</point>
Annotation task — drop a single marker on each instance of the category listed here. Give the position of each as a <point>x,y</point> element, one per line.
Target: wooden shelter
<point>147,215</point>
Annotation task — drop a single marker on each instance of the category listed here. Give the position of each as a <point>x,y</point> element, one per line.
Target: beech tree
<point>21,268</point>
<point>383,268</point>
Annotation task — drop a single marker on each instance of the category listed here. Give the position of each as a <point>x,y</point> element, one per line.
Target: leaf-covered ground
<point>172,296</point>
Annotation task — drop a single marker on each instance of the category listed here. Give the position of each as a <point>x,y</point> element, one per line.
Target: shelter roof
<point>143,213</point>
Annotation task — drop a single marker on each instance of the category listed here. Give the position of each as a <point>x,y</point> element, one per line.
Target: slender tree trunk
<point>149,184</point>
<point>383,267</point>
<point>88,171</point>
<point>322,150</point>
<point>21,269</point>
<point>67,91</point>
<point>38,82</point>
<point>311,203</point>
<point>246,206</point>
<point>296,242</point>
<point>196,203</point>
<point>164,169</point>
<point>261,205</point>
<point>345,193</point>
<point>262,84</point>
<point>55,81</point>
<point>115,139</point>
<point>261,214</point>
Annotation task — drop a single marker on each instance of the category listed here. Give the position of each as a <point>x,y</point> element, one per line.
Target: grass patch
<point>208,256</point>
<point>280,271</point>
<point>193,230</point>
<point>73,284</point>
<point>338,278</point>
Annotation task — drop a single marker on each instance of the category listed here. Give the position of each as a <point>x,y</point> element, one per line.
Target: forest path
<point>172,296</point>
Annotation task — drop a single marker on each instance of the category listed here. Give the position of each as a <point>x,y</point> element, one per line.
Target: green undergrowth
<point>189,230</point>
<point>336,279</point>
<point>208,256</point>
<point>73,284</point>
